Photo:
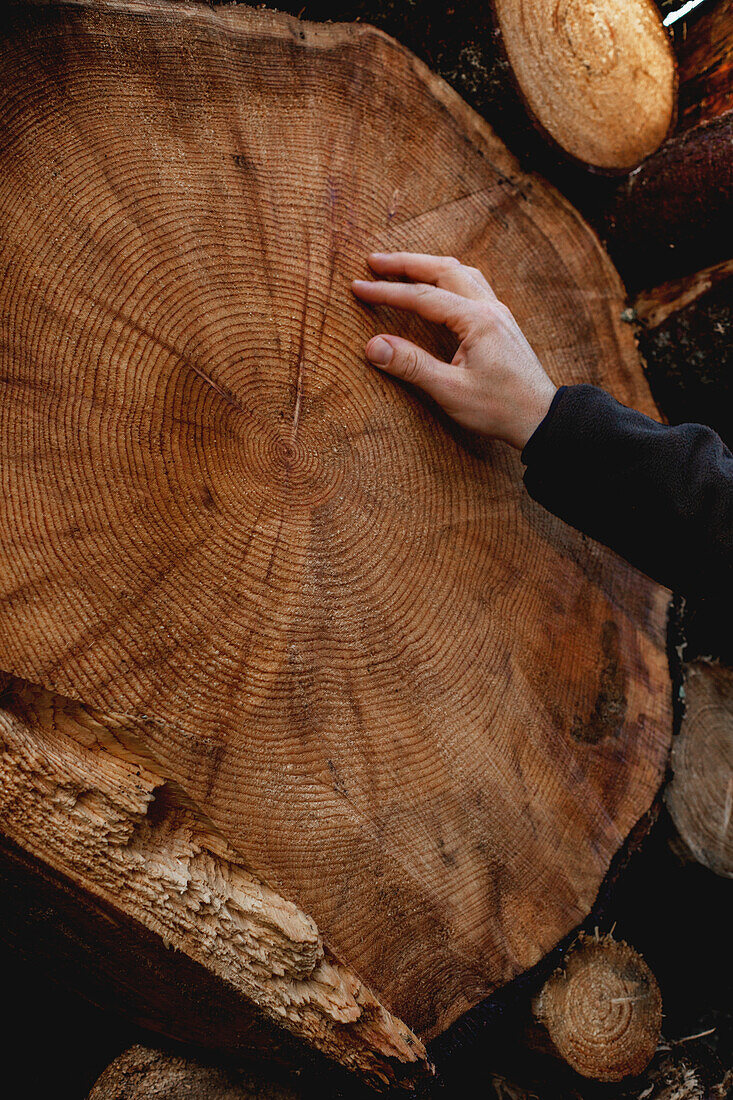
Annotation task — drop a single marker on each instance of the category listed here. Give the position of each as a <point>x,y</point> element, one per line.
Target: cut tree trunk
<point>603,1011</point>
<point>700,793</point>
<point>672,216</point>
<point>594,82</point>
<point>418,707</point>
<point>597,79</point>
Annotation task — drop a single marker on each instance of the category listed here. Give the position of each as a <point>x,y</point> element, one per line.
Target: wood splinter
<point>603,1010</point>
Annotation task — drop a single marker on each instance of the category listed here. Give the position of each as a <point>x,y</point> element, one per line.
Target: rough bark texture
<point>79,795</point>
<point>603,1010</point>
<point>706,66</point>
<point>419,707</point>
<point>700,793</point>
<point>672,215</point>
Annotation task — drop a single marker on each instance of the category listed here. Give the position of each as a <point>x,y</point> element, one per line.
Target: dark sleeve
<point>660,496</point>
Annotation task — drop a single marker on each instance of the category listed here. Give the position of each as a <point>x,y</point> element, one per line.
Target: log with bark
<point>420,712</point>
<point>593,83</point>
<point>671,217</point>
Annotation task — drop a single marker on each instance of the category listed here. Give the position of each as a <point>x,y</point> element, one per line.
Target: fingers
<point>405,360</point>
<point>429,302</point>
<point>445,272</point>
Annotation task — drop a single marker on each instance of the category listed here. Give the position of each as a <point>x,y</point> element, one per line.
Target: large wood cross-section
<point>415,703</point>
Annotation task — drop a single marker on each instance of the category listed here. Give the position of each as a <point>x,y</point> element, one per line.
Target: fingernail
<point>379,351</point>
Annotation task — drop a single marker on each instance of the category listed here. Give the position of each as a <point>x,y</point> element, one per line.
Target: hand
<point>495,383</point>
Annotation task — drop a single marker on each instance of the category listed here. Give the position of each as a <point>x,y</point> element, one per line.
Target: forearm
<point>660,496</point>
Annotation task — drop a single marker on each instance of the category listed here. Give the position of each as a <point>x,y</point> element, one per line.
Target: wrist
<point>531,414</point>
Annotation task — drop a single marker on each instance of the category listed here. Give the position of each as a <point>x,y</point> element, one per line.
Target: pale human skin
<point>495,384</point>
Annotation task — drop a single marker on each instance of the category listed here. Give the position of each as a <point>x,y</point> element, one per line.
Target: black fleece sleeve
<point>660,496</point>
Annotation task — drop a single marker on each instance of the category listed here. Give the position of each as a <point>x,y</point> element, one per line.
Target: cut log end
<point>599,77</point>
<point>360,665</point>
<point>700,794</point>
<point>603,1011</point>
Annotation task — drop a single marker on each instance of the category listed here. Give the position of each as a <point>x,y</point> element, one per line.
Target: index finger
<point>446,272</point>
<point>427,301</point>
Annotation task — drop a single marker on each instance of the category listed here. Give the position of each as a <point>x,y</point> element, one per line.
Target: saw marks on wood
<point>602,1010</point>
<point>419,706</point>
<point>597,75</point>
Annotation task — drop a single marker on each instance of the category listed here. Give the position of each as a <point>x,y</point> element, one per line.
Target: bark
<point>705,66</point>
<point>671,216</point>
<point>603,1011</point>
<point>418,708</point>
<point>700,793</point>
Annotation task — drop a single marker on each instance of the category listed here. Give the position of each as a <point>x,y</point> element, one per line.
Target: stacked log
<point>699,795</point>
<point>602,1011</point>
<point>236,542</point>
<point>592,84</point>
<point>122,787</point>
<point>671,217</point>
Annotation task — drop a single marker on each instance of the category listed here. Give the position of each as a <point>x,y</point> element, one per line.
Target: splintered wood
<point>417,706</point>
<point>80,795</point>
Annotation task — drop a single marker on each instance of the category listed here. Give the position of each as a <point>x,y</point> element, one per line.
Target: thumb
<point>407,361</point>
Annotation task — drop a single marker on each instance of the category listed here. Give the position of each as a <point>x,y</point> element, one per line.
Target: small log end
<point>603,1010</point>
